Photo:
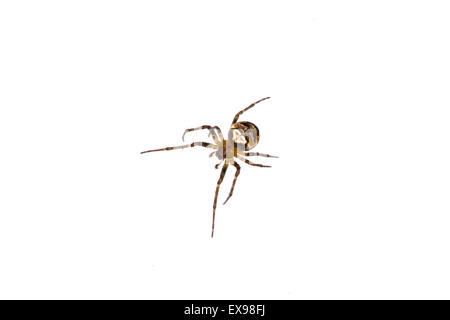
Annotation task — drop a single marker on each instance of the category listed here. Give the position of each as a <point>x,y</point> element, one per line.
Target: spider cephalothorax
<point>242,137</point>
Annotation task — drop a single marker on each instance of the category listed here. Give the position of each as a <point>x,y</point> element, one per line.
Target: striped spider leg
<point>242,137</point>
<point>190,145</point>
<point>212,132</point>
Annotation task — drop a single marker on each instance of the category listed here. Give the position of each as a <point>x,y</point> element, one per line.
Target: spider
<point>242,137</point>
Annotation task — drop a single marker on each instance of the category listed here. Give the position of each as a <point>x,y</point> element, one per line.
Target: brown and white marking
<point>242,137</point>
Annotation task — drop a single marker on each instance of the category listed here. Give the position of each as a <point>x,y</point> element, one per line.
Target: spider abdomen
<point>244,134</point>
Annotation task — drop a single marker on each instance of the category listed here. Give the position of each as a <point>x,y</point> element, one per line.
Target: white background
<point>357,206</point>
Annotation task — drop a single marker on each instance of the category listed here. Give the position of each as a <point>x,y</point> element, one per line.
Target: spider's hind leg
<point>222,175</point>
<point>238,170</point>
<point>251,163</point>
<point>249,154</point>
<point>191,145</point>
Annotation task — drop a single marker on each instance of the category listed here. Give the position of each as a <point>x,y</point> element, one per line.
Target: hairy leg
<point>211,132</point>
<point>222,174</point>
<point>191,145</point>
<point>238,170</point>
<point>236,117</point>
<point>251,163</point>
<point>250,154</point>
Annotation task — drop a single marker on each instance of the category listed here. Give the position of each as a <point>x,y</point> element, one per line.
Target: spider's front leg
<point>211,132</point>
<point>236,117</point>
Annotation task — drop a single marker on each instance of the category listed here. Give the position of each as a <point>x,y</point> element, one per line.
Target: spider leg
<point>236,117</point>
<point>238,170</point>
<point>222,174</point>
<point>191,145</point>
<point>251,163</point>
<point>249,154</point>
<point>211,132</point>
